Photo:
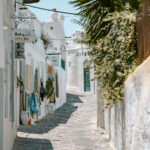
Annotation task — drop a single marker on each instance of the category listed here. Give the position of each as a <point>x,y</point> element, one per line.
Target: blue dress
<point>34,105</point>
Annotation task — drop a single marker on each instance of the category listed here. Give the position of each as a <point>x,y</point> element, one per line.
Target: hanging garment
<point>34,105</point>
<point>42,92</point>
<point>57,86</point>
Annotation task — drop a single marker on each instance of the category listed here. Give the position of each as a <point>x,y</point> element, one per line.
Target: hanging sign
<point>24,35</point>
<point>19,53</point>
<point>50,69</point>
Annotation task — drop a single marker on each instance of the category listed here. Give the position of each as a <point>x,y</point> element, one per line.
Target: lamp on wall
<point>5,27</point>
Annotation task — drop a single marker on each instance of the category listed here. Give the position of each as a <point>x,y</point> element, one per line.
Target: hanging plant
<point>47,42</point>
<point>49,88</point>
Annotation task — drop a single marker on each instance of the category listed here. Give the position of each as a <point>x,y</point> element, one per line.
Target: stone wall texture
<point>128,123</point>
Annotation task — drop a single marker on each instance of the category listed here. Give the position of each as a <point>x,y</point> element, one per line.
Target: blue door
<point>86,79</point>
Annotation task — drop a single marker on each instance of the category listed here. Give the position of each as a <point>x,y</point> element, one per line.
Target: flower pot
<point>52,98</point>
<point>25,117</point>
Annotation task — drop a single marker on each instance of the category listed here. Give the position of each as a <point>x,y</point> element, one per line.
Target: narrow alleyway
<point>71,127</point>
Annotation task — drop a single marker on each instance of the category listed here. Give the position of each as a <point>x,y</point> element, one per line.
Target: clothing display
<point>42,92</point>
<point>34,105</point>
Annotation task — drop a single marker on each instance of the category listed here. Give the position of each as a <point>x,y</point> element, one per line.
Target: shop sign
<point>19,54</point>
<point>50,69</point>
<point>24,35</point>
<point>55,60</point>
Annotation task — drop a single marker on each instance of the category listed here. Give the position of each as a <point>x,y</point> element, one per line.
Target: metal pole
<point>12,76</point>
<point>11,4</point>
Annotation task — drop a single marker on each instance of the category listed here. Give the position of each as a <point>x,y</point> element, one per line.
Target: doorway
<point>86,79</point>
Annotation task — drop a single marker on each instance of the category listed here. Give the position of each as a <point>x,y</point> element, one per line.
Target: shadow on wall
<point>60,116</point>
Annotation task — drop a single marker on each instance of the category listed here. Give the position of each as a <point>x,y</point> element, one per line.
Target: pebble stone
<point>71,127</point>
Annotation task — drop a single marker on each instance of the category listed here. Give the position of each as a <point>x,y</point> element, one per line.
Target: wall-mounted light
<point>5,27</point>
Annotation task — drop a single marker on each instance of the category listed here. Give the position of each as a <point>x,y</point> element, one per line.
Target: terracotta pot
<point>52,98</point>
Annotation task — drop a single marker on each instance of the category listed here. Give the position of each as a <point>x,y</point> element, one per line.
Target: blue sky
<point>61,5</point>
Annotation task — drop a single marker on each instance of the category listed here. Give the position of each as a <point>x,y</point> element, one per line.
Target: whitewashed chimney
<point>61,20</point>
<point>54,16</point>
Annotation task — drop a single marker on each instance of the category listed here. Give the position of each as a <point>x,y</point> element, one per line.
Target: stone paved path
<point>71,127</point>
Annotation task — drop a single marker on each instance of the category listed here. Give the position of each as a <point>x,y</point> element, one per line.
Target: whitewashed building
<point>79,71</point>
<point>14,72</point>
<point>44,58</point>
<point>7,76</point>
<point>53,32</point>
<point>33,66</point>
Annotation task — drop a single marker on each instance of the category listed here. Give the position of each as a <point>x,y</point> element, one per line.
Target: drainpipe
<point>12,13</point>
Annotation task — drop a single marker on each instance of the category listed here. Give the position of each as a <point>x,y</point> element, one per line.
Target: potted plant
<point>46,41</point>
<point>50,94</point>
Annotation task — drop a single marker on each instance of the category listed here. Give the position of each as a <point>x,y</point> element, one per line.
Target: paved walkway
<point>71,127</point>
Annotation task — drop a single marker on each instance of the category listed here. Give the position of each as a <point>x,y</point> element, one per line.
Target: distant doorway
<point>86,79</point>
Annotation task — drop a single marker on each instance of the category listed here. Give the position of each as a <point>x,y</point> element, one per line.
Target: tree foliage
<point>92,13</point>
<point>49,87</point>
<point>114,57</point>
<point>110,32</point>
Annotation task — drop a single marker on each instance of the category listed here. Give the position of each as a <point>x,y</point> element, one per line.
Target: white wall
<point>35,55</point>
<point>53,30</point>
<point>75,67</point>
<point>2,50</point>
<point>2,62</point>
<point>72,70</point>
<point>128,123</point>
<point>7,126</point>
<point>140,106</point>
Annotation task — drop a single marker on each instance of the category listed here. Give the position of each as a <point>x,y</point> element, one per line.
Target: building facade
<point>53,34</point>
<point>7,75</point>
<point>19,74</point>
<point>79,69</point>
<point>43,60</point>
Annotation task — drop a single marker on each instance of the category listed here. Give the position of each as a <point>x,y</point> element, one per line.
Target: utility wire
<point>63,12</point>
